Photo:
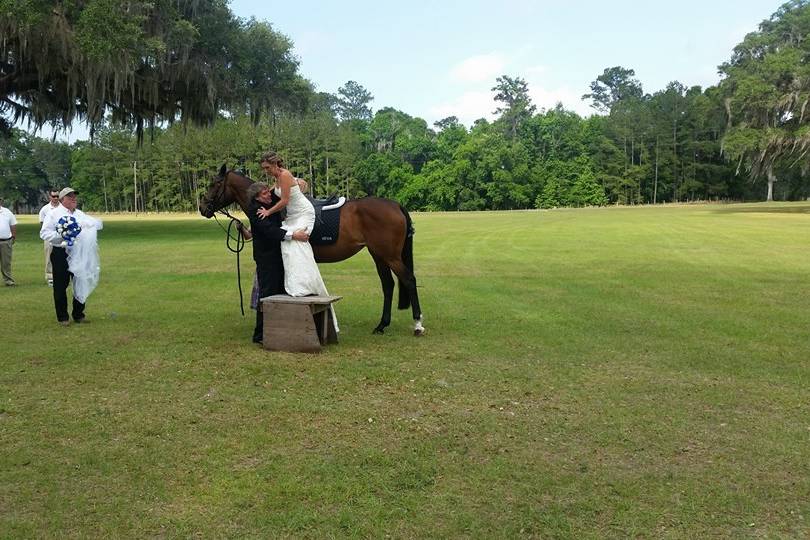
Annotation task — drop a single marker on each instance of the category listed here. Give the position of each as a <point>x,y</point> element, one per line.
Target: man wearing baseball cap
<point>74,255</point>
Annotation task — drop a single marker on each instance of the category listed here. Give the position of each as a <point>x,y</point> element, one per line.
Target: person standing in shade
<point>8,234</point>
<point>77,261</point>
<point>53,202</point>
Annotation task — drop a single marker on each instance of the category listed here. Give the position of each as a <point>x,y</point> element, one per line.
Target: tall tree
<point>612,86</point>
<point>516,108</point>
<point>670,108</point>
<point>446,123</point>
<point>142,62</point>
<point>353,102</point>
<point>767,89</point>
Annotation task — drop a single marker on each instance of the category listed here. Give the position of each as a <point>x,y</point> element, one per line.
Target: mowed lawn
<point>595,373</point>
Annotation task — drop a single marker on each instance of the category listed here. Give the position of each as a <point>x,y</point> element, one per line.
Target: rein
<point>239,246</point>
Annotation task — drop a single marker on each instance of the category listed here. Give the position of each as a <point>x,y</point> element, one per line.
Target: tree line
<point>745,139</point>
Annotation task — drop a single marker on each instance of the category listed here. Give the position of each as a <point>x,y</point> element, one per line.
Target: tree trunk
<point>135,181</point>
<point>193,187</point>
<point>311,177</point>
<point>624,139</point>
<point>771,180</point>
<point>694,158</point>
<point>632,150</point>
<point>640,200</point>
<point>675,161</point>
<point>104,185</point>
<point>655,184</point>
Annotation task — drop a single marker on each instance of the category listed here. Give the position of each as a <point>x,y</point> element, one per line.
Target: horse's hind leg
<point>407,280</point>
<point>387,282</point>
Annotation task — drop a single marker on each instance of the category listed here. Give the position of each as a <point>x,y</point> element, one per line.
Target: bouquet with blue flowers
<point>68,228</point>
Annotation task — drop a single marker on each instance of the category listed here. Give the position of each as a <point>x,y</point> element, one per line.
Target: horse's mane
<point>237,172</point>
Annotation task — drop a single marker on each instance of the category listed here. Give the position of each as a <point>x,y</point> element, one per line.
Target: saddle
<point>327,220</point>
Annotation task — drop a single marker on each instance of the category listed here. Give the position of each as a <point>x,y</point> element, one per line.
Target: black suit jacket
<point>267,238</point>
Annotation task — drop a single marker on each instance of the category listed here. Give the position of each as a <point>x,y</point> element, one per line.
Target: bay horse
<point>381,225</point>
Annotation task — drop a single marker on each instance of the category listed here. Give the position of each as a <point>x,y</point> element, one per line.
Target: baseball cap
<point>65,192</point>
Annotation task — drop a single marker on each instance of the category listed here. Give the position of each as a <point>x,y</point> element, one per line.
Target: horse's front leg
<point>387,282</point>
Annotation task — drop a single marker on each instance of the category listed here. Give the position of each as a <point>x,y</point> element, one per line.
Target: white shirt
<point>48,230</point>
<point>7,220</point>
<point>43,212</point>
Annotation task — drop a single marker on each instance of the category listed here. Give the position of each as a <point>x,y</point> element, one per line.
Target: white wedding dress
<point>301,274</point>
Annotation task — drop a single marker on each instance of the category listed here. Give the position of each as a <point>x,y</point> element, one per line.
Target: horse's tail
<point>407,258</point>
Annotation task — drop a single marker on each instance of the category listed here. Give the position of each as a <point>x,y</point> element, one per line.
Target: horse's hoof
<point>379,331</point>
<point>419,332</point>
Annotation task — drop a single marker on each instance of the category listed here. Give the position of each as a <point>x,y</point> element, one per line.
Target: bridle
<point>237,238</point>
<point>217,198</point>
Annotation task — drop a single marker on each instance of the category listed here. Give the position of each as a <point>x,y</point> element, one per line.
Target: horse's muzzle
<point>206,209</point>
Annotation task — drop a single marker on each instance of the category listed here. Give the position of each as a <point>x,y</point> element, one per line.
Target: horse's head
<point>218,196</point>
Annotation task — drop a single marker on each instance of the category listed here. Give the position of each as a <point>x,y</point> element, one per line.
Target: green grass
<point>619,372</point>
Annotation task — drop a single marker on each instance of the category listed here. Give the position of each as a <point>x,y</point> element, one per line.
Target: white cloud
<point>535,70</point>
<point>477,100</point>
<point>468,107</point>
<point>474,104</point>
<point>545,98</point>
<point>484,67</point>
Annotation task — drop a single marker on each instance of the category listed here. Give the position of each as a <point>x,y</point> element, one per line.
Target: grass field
<point>597,373</point>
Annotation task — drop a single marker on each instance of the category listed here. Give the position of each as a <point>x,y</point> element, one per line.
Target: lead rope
<point>240,245</point>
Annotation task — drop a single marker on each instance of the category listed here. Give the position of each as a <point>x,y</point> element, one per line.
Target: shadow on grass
<point>765,208</point>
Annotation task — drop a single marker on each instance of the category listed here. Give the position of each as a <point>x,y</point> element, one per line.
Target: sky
<point>440,58</point>
<point>433,59</point>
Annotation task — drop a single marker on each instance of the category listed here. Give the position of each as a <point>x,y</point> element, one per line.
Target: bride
<point>301,274</point>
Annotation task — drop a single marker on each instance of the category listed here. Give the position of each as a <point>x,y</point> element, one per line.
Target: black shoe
<point>80,321</point>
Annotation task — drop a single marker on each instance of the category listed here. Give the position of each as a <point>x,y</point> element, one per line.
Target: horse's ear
<point>223,170</point>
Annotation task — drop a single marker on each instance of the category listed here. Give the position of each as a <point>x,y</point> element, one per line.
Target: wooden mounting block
<point>298,323</point>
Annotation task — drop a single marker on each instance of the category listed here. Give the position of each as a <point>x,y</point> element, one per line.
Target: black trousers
<point>61,279</point>
<point>270,275</point>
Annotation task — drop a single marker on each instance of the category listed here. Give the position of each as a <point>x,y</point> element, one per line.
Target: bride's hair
<point>272,157</point>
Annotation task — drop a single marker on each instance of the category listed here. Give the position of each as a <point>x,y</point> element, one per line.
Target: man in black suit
<point>267,238</point>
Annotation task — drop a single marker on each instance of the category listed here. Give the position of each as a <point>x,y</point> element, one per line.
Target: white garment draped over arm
<point>83,259</point>
<point>89,222</point>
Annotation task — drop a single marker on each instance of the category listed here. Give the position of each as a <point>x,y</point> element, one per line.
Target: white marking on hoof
<point>418,329</point>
